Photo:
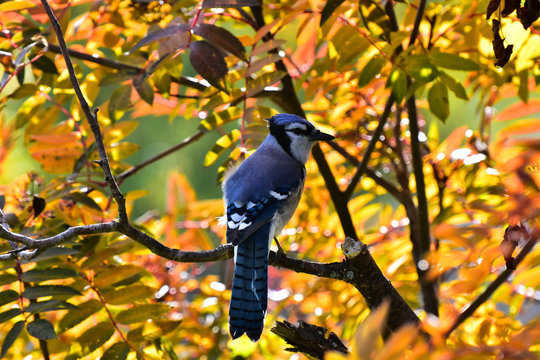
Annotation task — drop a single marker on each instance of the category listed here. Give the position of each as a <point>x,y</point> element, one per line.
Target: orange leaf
<point>519,110</point>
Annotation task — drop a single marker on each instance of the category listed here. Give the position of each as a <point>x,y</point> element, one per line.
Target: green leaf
<point>11,337</point>
<point>438,100</point>
<point>208,61</point>
<point>38,275</point>
<point>523,90</point>
<point>8,296</point>
<point>38,291</point>
<point>7,278</point>
<point>95,337</point>
<point>422,71</point>
<point>454,62</point>
<point>128,294</point>
<point>119,102</point>
<point>55,252</point>
<point>118,351</point>
<point>46,65</point>
<point>49,305</point>
<point>9,314</point>
<point>372,68</point>
<point>144,88</point>
<point>41,329</point>
<point>218,119</point>
<point>222,144</point>
<point>398,81</point>
<point>222,38</point>
<point>83,199</point>
<point>455,86</point>
<point>117,274</point>
<point>140,313</point>
<point>74,317</point>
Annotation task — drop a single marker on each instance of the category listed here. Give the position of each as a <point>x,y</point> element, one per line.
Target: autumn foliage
<point>435,167</point>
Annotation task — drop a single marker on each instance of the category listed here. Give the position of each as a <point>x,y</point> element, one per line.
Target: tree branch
<point>184,80</point>
<point>159,156</point>
<point>371,146</point>
<point>501,279</point>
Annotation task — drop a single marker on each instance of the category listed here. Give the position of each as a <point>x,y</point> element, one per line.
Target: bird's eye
<point>296,131</point>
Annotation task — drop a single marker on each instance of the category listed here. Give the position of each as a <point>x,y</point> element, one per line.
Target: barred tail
<point>249,296</point>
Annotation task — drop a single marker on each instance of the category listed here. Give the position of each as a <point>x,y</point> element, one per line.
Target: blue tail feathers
<point>249,296</point>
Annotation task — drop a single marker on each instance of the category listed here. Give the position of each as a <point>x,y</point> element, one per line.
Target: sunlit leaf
<point>218,119</point>
<point>16,5</point>
<point>222,144</point>
<point>221,37</point>
<point>438,100</point>
<point>255,86</point>
<point>95,337</point>
<point>519,110</point>
<point>76,316</point>
<point>141,313</point>
<point>117,274</point>
<point>11,337</point>
<point>128,294</point>
<point>41,329</point>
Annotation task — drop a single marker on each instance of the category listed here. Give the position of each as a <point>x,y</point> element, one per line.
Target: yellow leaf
<point>16,5</point>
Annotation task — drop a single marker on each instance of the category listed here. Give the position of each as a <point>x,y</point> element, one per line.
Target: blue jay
<point>260,198</point>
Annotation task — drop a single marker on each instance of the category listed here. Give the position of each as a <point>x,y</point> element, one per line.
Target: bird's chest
<point>283,215</point>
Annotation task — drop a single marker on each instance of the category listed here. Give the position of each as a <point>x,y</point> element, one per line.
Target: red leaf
<point>167,32</point>
<point>221,37</point>
<point>208,62</point>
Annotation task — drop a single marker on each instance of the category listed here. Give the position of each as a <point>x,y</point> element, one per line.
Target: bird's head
<point>296,135</point>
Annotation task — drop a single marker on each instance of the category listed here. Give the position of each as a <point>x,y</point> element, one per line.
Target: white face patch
<point>300,147</point>
<point>296,126</point>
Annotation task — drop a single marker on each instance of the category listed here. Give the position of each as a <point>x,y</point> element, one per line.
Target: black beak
<point>320,136</point>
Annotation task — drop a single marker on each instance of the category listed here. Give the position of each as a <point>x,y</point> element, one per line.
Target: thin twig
<point>501,279</point>
<point>371,146</point>
<point>159,156</point>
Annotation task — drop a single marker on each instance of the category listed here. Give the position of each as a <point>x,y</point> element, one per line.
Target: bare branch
<point>501,279</point>
<point>371,146</point>
<point>159,156</point>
